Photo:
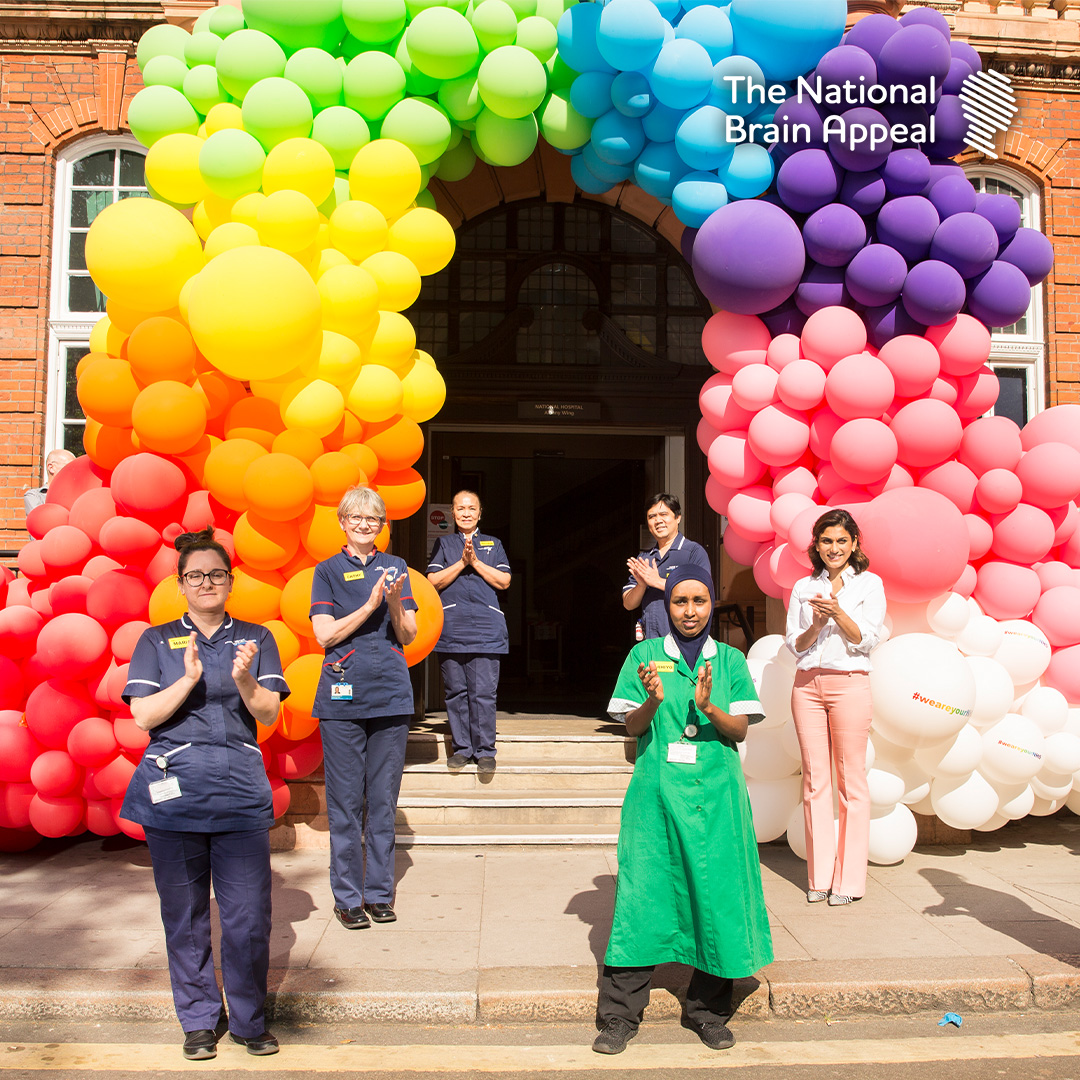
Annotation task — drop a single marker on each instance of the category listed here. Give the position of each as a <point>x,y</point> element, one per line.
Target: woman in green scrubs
<point>689,885</point>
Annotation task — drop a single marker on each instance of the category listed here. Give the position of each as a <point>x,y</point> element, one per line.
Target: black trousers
<point>624,993</point>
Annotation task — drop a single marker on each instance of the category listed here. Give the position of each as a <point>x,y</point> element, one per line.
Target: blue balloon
<point>590,93</point>
<point>738,86</point>
<point>700,138</point>
<point>617,139</point>
<point>748,173</point>
<point>577,28</point>
<point>631,94</point>
<point>603,170</point>
<point>682,75</point>
<point>696,196</point>
<point>708,26</point>
<point>670,9</point>
<point>658,169</point>
<point>630,33</point>
<point>661,124</point>
<point>585,179</point>
<point>787,37</point>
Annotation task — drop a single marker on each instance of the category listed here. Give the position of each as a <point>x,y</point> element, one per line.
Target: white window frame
<point>67,328</point>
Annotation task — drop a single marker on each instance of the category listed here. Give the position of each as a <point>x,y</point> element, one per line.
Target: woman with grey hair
<point>363,614</point>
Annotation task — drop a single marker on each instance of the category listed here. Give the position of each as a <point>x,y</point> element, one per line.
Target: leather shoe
<point>381,912</point>
<point>260,1045</point>
<point>354,918</point>
<point>200,1045</point>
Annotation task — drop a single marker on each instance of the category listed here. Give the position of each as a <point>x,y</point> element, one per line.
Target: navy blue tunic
<point>371,657</point>
<point>473,622</point>
<point>681,552</point>
<point>210,741</point>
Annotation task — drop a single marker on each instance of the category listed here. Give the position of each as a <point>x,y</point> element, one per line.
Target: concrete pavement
<point>495,935</point>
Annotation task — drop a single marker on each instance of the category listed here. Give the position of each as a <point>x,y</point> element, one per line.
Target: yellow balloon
<point>338,363</point>
<point>274,389</point>
<point>330,257</point>
<point>141,251</point>
<point>300,165</point>
<point>314,405</point>
<point>422,357</point>
<point>423,392</point>
<point>167,602</point>
<point>386,174</point>
<point>172,169</point>
<point>358,229</point>
<point>350,301</point>
<point>224,115</point>
<point>394,342</point>
<point>375,394</point>
<point>424,237</point>
<point>99,336</point>
<point>397,278</point>
<point>255,313</point>
<point>230,235</point>
<point>287,221</point>
<point>246,208</point>
<point>125,318</point>
<point>210,213</point>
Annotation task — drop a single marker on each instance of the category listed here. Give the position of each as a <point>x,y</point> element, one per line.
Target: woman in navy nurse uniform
<point>198,685</point>
<point>363,614</point>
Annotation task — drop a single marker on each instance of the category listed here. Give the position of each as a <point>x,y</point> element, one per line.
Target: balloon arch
<point>254,363</point>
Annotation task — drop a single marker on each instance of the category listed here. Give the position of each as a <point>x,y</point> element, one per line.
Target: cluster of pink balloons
<point>947,498</point>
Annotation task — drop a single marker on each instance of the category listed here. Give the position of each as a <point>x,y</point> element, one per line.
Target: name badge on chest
<point>164,790</point>
<point>341,691</point>
<point>684,753</point>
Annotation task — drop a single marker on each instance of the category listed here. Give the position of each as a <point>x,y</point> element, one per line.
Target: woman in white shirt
<point>834,620</point>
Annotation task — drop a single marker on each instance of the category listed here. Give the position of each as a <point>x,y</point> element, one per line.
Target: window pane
<point>135,194</point>
<point>474,326</point>
<point>132,169</point>
<point>536,228</point>
<point>559,296</point>
<point>77,251</point>
<point>1012,397</point>
<point>630,238</point>
<point>84,295</point>
<point>581,229</point>
<point>488,235</point>
<point>72,409</point>
<point>684,339</point>
<point>639,329</point>
<point>94,171</point>
<point>482,280</point>
<point>86,205</point>
<point>73,438</point>
<point>633,286</point>
<point>680,290</point>
<point>431,331</point>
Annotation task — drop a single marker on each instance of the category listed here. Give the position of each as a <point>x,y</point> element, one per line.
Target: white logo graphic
<point>988,105</point>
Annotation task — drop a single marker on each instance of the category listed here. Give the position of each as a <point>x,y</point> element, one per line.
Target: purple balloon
<point>940,169</point>
<point>999,296</point>
<point>833,234</point>
<point>1002,211</point>
<point>845,63</point>
<point>748,256</point>
<point>913,56</point>
<point>933,293</point>
<point>875,276</point>
<point>1032,253</point>
<point>915,120</point>
<point>821,287</point>
<point>871,32</point>
<point>862,156</point>
<point>926,17</point>
<point>950,128</point>
<point>959,70</point>
<point>808,180</point>
<point>963,51</point>
<point>967,242</point>
<point>863,192</point>
<point>792,112</point>
<point>908,224</point>
<point>952,194</point>
<point>784,319</point>
<point>906,172</point>
<point>686,243</point>
<point>889,321</point>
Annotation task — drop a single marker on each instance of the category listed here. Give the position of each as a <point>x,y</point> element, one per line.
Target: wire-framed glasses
<point>364,519</point>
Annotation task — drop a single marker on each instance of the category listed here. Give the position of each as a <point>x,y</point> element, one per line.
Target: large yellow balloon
<point>172,169</point>
<point>141,251</point>
<point>230,235</point>
<point>224,115</point>
<point>255,313</point>
<point>397,278</point>
<point>358,229</point>
<point>246,208</point>
<point>338,363</point>
<point>375,394</point>
<point>423,392</point>
<point>287,220</point>
<point>424,237</point>
<point>386,174</point>
<point>350,302</point>
<point>314,405</point>
<point>300,165</point>
<point>394,342</point>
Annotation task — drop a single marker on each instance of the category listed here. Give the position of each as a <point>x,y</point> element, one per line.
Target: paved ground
<point>514,935</point>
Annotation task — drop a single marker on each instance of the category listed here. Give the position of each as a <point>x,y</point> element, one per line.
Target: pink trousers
<point>832,712</point>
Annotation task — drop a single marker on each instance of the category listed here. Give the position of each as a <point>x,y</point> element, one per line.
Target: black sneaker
<point>614,1036</point>
<point>456,762</point>
<point>485,765</point>
<point>260,1045</point>
<point>200,1045</point>
<point>714,1035</point>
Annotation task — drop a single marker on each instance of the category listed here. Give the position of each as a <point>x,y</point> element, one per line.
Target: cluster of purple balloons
<point>893,230</point>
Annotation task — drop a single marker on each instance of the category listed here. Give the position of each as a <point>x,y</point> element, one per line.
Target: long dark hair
<point>858,561</point>
<point>188,543</point>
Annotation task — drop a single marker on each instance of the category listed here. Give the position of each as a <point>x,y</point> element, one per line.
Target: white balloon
<point>993,691</point>
<point>773,683</point>
<point>954,757</point>
<point>1072,724</point>
<point>789,740</point>
<point>948,614</point>
<point>796,832</point>
<point>982,636</point>
<point>771,647</point>
<point>772,802</point>
<point>974,607</point>
<point>1020,693</point>
<point>892,835</point>
<point>1012,750</point>
<point>995,823</point>
<point>1046,807</point>
<point>871,755</point>
<point>916,783</point>
<point>884,748</point>
<point>963,802</point>
<point>1048,708</point>
<point>1061,752</point>
<point>766,756</point>
<point>886,787</point>
<point>1015,800</point>
<point>1024,651</point>
<point>1048,785</point>
<point>924,806</point>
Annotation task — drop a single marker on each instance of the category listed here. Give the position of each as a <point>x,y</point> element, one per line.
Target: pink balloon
<point>57,816</point>
<point>991,442</point>
<point>19,628</point>
<point>801,530</point>
<point>1059,424</point>
<point>1069,552</point>
<point>927,433</point>
<point>977,393</point>
<point>783,350</point>
<point>54,707</point>
<point>1006,591</point>
<point>944,389</point>
<point>965,584</point>
<point>1054,573</point>
<point>71,646</point>
<point>832,333</point>
<point>801,384</point>
<point>740,548</point>
<point>785,509</point>
<point>1057,615</point>
<point>717,495</point>
<point>748,511</point>
<point>65,549</point>
<point>863,451</point>
<point>848,497</point>
<point>980,535</point>
<point>998,491</point>
<point>962,343</point>
<point>1049,473</point>
<point>898,477</point>
<point>763,573</point>
<point>794,478</point>
<point>129,541</point>
<point>778,435</point>
<point>859,386</point>
<point>784,568</point>
<point>913,362</point>
<point>75,478</point>
<point>917,542</point>
<point>732,341</point>
<point>54,773</point>
<point>830,481</point>
<point>953,480</point>
<point>45,517</point>
<point>732,461</point>
<point>1024,535</point>
<point>754,386</point>
<point>719,408</point>
<point>705,435</point>
<point>1066,520</point>
<point>1064,672</point>
<point>823,426</point>
<point>91,510</point>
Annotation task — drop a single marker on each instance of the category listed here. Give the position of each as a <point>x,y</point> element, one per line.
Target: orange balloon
<point>256,594</point>
<point>194,460</point>
<point>320,531</point>
<point>296,602</point>
<point>397,442</point>
<point>166,602</point>
<point>364,456</point>
<point>106,445</point>
<point>429,618</point>
<point>223,473</point>
<point>255,418</point>
<point>168,417</point>
<point>300,443</point>
<point>161,348</point>
<point>263,732</point>
<point>278,486</point>
<point>300,562</point>
<point>333,474</point>
<point>296,725</point>
<point>403,491</point>
<point>288,644</point>
<point>219,392</point>
<point>265,544</point>
<point>303,676</point>
<point>349,430</point>
<point>107,390</point>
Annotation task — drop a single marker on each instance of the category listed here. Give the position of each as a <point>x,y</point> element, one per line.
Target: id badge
<point>164,790</point>
<point>341,691</point>
<point>685,753</point>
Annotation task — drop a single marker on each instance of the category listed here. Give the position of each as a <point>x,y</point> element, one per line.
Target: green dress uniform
<point>689,883</point>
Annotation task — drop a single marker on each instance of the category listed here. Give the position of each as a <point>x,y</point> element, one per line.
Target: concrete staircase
<point>560,780</point>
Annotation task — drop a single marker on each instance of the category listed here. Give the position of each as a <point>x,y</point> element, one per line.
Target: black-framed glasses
<point>195,578</point>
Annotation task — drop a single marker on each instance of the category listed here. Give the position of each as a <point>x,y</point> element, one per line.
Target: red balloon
<point>12,685</point>
<point>112,779</point>
<point>977,393</point>
<point>54,708</point>
<point>117,597</point>
<point>15,799</point>
<point>859,386</point>
<point>75,478</point>
<point>16,840</point>
<point>61,816</point>
<point>823,426</point>
<point>914,364</point>
<point>863,451</point>
<point>147,484</point>
<point>1057,615</point>
<point>717,495</point>
<point>732,461</point>
<point>719,407</point>
<point>55,774</point>
<point>18,749</point>
<point>126,637</point>
<point>963,344</point>
<point>45,517</point>
<point>294,761</point>
<point>1064,672</point>
<point>65,549</point>
<point>1024,535</point>
<point>748,512</point>
<point>30,561</point>
<point>92,742</point>
<point>953,480</point>
<point>69,594</point>
<point>129,541</point>
<point>778,435</point>
<point>99,565</point>
<point>991,442</point>
<point>998,491</point>
<point>282,796</point>
<point>129,828</point>
<point>129,735</point>
<point>100,818</point>
<point>72,646</point>
<point>740,548</point>
<point>832,333</point>
<point>980,535</point>
<point>732,341</point>
<point>91,510</point>
<point>1006,591</point>
<point>763,574</point>
<point>198,512</point>
<point>162,565</point>
<point>41,601</point>
<point>18,593</point>
<point>927,432</point>
<point>1059,424</point>
<point>1050,474</point>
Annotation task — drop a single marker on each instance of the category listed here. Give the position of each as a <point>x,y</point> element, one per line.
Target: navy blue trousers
<point>363,759</point>
<point>238,864</point>
<point>471,680</point>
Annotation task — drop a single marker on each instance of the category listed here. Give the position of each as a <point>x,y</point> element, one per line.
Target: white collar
<point>671,647</point>
<point>226,625</point>
<point>846,574</point>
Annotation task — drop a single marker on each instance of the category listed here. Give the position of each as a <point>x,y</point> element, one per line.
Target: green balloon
<point>421,125</point>
<point>414,7</point>
<point>342,131</point>
<point>156,111</point>
<point>461,97</point>
<point>201,48</point>
<point>456,135</point>
<point>312,24</point>
<point>416,82</point>
<point>338,195</point>
<point>224,20</point>
<point>523,8</point>
<point>561,124</point>
<point>512,82</point>
<point>275,110</point>
<point>161,40</point>
<point>505,141</point>
<point>538,36</point>
<point>457,162</point>
<point>374,21</point>
<point>203,88</point>
<point>560,74</point>
<point>552,10</point>
<point>318,74</point>
<point>495,24</point>
<point>374,83</point>
<point>165,71</point>
<point>426,199</point>
<point>442,43</point>
<point>231,162</point>
<point>245,58</point>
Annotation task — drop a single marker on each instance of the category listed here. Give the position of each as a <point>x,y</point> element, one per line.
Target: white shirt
<point>862,599</point>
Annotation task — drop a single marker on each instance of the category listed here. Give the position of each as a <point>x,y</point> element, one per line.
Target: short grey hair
<point>361,500</point>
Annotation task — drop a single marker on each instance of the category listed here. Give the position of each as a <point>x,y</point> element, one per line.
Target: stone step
<point>432,746</point>
<point>534,776</point>
<point>479,809</point>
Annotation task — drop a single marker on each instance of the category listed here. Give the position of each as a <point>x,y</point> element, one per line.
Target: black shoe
<point>380,912</point>
<point>221,1028</point>
<point>260,1045</point>
<point>485,765</point>
<point>200,1045</point>
<point>614,1036</point>
<point>354,918</point>
<point>456,762</point>
<point>714,1035</point>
